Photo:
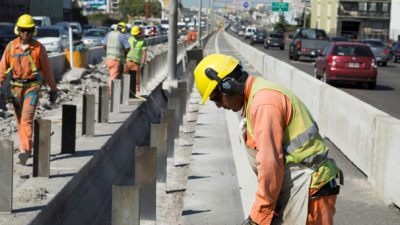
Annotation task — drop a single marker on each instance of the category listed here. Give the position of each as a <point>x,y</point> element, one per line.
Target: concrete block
<point>180,93</point>
<point>41,148</point>
<point>74,75</point>
<point>269,68</point>
<point>168,117</point>
<point>175,103</point>
<point>126,205</point>
<point>68,130</point>
<point>158,139</point>
<point>88,112</point>
<point>259,61</point>
<point>115,95</point>
<point>104,105</point>
<point>126,79</point>
<point>283,73</point>
<point>145,177</point>
<point>6,175</point>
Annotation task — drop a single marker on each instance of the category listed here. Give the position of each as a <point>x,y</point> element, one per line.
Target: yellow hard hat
<point>123,25</point>
<point>223,64</point>
<point>26,21</point>
<point>135,30</point>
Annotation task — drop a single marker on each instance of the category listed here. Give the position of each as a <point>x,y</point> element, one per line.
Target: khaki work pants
<point>24,115</point>
<point>135,67</point>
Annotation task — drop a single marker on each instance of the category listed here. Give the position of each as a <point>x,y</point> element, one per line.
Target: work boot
<point>23,157</point>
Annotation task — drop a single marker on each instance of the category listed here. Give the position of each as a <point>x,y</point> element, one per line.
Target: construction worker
<point>24,61</point>
<point>191,34</point>
<point>116,46</point>
<point>296,179</point>
<point>137,55</point>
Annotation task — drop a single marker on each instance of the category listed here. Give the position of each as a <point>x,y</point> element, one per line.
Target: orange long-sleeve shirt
<point>270,114</point>
<point>23,67</point>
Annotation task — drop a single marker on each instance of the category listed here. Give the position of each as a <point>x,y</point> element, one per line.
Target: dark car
<point>337,39</point>
<point>280,32</point>
<point>395,51</point>
<point>380,50</point>
<point>258,37</point>
<point>275,40</point>
<point>6,35</point>
<point>347,61</point>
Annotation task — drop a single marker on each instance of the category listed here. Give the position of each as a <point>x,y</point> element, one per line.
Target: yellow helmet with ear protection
<point>123,26</point>
<point>25,21</point>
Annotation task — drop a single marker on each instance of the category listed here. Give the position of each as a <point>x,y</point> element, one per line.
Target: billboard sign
<point>246,5</point>
<point>94,4</point>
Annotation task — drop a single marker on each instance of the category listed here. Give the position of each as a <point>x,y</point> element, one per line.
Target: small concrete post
<point>168,117</point>
<point>179,92</point>
<point>145,76</point>
<point>125,205</point>
<point>115,95</point>
<point>68,129</point>
<point>175,103</point>
<point>150,72</point>
<point>88,115</point>
<point>132,85</point>
<point>183,85</point>
<point>145,177</point>
<point>6,175</point>
<point>41,148</point>
<point>158,139</point>
<point>126,83</point>
<point>104,105</point>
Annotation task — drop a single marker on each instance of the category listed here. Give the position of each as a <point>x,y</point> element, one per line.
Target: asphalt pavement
<point>384,97</point>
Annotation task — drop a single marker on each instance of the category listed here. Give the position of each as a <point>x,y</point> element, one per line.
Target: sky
<point>189,3</point>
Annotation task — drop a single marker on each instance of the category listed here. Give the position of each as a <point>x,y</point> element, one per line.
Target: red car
<point>347,61</point>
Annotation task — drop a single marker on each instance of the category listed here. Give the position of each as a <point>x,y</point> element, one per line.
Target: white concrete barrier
<point>366,135</point>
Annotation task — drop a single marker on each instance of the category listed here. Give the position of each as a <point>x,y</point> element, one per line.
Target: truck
<point>349,28</point>
<point>307,42</point>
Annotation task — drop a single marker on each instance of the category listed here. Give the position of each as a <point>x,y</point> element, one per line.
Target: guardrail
<point>366,135</point>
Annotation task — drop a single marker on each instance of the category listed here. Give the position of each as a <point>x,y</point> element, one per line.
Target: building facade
<point>373,17</point>
<point>11,10</point>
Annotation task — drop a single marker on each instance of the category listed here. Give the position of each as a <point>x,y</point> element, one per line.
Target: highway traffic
<point>387,88</point>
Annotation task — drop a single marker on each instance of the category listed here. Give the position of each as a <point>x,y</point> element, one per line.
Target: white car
<point>249,32</point>
<point>53,38</point>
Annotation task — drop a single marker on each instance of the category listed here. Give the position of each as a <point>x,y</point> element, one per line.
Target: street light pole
<point>208,18</point>
<point>304,17</point>
<point>212,16</point>
<point>199,25</point>
<point>173,17</point>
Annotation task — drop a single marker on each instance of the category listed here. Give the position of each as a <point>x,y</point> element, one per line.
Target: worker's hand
<point>53,97</point>
<point>249,221</point>
<point>141,66</point>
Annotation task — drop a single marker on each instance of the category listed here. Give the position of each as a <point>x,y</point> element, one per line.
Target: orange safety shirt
<point>270,114</point>
<point>22,67</point>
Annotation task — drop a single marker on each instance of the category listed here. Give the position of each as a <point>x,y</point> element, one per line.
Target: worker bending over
<point>137,55</point>
<point>116,46</point>
<point>24,61</point>
<point>296,179</point>
<point>191,34</point>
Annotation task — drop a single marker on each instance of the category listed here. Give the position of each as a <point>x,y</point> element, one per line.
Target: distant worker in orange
<point>191,34</point>
<point>25,61</point>
<point>296,178</point>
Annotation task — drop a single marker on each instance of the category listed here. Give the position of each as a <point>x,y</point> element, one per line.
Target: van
<point>249,32</point>
<point>139,23</point>
<point>42,21</point>
<point>165,24</point>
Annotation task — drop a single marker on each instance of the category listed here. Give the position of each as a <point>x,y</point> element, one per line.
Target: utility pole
<point>304,17</point>
<point>199,25</point>
<point>173,17</point>
<point>212,16</point>
<point>208,18</point>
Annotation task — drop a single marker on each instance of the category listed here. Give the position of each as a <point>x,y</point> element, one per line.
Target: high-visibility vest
<point>302,142</point>
<point>136,52</point>
<point>33,57</point>
<point>115,50</point>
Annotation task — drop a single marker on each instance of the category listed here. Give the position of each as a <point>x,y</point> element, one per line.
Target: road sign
<point>237,4</point>
<point>246,5</point>
<point>280,7</point>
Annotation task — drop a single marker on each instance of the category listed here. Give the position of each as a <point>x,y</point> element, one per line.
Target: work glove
<point>53,97</point>
<point>249,221</point>
<point>141,66</point>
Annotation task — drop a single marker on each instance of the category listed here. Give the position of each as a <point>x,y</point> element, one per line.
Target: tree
<point>137,8</point>
<point>281,25</point>
<point>301,18</point>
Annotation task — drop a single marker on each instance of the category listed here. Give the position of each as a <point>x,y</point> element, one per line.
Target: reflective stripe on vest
<point>136,52</point>
<point>302,142</point>
<point>115,50</point>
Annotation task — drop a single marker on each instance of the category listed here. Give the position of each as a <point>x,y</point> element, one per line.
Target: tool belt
<point>330,188</point>
<point>14,82</point>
